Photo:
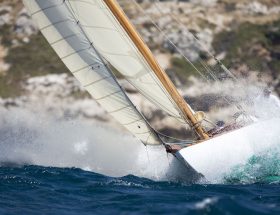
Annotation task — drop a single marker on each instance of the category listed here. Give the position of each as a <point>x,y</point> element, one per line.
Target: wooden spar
<point>160,73</point>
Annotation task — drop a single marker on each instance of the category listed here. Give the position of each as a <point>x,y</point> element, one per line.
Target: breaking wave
<point>262,168</point>
<point>28,139</point>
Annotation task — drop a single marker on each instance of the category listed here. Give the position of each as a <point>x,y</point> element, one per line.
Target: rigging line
<point>46,8</point>
<point>157,104</point>
<point>110,71</point>
<point>210,122</point>
<point>238,106</point>
<point>177,139</point>
<point>166,37</point>
<point>201,61</point>
<point>164,108</point>
<point>161,134</point>
<point>182,54</point>
<point>177,48</point>
<point>143,61</point>
<point>223,97</point>
<point>208,69</point>
<point>197,40</point>
<point>147,67</point>
<point>220,64</point>
<point>70,5</point>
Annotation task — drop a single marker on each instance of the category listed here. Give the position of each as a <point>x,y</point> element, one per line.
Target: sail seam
<point>130,123</point>
<point>98,27</point>
<point>53,24</point>
<point>146,132</point>
<point>43,9</point>
<point>114,78</point>
<point>160,86</point>
<point>94,82</point>
<point>111,94</point>
<point>87,66</point>
<point>92,65</point>
<point>144,62</point>
<point>111,53</point>
<point>90,3</point>
<point>76,52</point>
<point>64,38</point>
<point>148,137</point>
<point>120,109</point>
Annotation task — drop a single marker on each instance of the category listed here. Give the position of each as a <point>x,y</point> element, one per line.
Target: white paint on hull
<point>216,157</point>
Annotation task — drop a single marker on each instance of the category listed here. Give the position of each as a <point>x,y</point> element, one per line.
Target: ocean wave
<point>28,139</point>
<point>261,168</point>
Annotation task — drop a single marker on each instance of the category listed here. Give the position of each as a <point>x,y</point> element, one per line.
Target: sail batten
<point>66,37</point>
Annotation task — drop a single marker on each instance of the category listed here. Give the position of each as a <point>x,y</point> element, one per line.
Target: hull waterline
<point>216,157</point>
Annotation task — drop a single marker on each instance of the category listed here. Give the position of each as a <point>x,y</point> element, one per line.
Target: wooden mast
<point>160,73</point>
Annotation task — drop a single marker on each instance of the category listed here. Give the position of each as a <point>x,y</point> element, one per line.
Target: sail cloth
<point>65,35</point>
<point>113,42</point>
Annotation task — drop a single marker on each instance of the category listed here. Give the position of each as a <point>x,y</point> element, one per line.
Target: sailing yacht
<point>90,36</point>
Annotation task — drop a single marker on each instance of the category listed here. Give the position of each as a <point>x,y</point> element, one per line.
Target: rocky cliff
<point>244,34</point>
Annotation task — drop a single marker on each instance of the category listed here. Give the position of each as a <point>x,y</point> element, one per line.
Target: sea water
<point>70,167</point>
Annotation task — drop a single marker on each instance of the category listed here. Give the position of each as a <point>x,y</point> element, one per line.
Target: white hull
<point>216,157</point>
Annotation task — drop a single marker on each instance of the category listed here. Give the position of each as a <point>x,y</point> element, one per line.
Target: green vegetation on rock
<point>257,46</point>
<point>35,58</point>
<point>182,69</point>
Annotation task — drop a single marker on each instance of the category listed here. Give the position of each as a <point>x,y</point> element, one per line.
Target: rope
<point>176,139</point>
<point>238,106</point>
<point>157,83</point>
<point>177,48</point>
<point>223,67</point>
<point>71,10</point>
<point>220,64</point>
<point>166,37</point>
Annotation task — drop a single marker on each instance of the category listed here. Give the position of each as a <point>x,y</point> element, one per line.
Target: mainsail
<point>70,38</point>
<point>115,45</point>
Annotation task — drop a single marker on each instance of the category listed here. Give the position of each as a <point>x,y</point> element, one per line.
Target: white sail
<point>71,43</point>
<point>113,42</point>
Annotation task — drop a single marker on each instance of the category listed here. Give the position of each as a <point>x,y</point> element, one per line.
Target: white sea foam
<point>40,140</point>
<point>202,205</point>
<point>28,138</point>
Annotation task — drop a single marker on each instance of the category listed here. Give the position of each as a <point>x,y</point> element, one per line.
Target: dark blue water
<point>252,188</point>
<point>41,190</point>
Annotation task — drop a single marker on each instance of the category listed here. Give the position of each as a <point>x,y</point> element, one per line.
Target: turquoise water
<point>263,168</point>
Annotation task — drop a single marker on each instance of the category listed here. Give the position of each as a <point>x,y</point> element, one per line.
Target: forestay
<point>65,34</point>
<point>113,42</point>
